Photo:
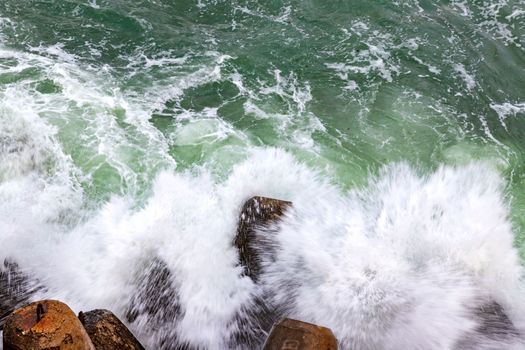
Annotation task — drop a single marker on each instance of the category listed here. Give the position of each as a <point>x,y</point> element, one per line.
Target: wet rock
<point>254,320</point>
<point>107,332</point>
<point>16,288</point>
<point>46,324</point>
<point>296,335</point>
<point>494,327</point>
<point>155,304</point>
<point>494,321</point>
<point>257,212</point>
<point>253,323</point>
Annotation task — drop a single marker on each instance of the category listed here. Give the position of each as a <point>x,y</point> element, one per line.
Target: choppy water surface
<point>132,131</point>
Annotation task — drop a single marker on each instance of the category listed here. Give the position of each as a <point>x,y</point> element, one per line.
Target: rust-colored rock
<point>256,212</point>
<point>107,332</point>
<point>45,325</point>
<point>296,335</point>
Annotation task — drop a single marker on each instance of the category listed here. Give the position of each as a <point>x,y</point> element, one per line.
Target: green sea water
<point>346,86</point>
<point>97,97</point>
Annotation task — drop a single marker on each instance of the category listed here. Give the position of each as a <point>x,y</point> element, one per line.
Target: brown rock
<point>46,324</point>
<point>296,335</point>
<point>107,332</point>
<point>255,319</point>
<point>256,212</point>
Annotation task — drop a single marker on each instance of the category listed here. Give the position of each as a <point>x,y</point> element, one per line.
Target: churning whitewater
<point>403,263</point>
<point>132,133</point>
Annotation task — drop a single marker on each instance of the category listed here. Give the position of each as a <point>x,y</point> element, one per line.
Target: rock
<point>296,335</point>
<point>107,332</point>
<point>46,324</point>
<point>494,321</point>
<point>155,304</point>
<point>255,319</point>
<point>256,212</point>
<point>16,287</point>
<point>493,326</point>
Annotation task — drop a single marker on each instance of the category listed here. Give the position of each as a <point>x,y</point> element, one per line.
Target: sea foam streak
<point>399,264</point>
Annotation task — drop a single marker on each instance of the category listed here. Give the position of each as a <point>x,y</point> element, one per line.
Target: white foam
<point>379,58</point>
<point>297,124</point>
<point>90,101</point>
<point>507,109</point>
<point>392,266</point>
<point>489,17</point>
<point>493,21</point>
<point>289,88</point>
<point>282,18</point>
<point>204,131</point>
<point>431,68</point>
<point>515,14</point>
<point>56,51</point>
<point>463,6</point>
<point>93,3</point>
<point>468,78</point>
<point>396,266</point>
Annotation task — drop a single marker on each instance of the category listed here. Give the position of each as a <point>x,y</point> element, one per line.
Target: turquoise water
<point>97,98</point>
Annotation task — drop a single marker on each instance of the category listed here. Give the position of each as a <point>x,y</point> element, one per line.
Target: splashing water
<point>132,134</point>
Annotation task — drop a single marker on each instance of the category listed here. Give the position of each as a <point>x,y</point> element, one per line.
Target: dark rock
<point>255,319</point>
<point>494,327</point>
<point>107,332</point>
<point>296,335</point>
<point>494,321</point>
<point>16,288</point>
<point>253,323</point>
<point>257,212</point>
<point>46,324</point>
<point>155,305</point>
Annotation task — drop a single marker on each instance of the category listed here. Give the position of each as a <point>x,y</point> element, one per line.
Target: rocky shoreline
<point>51,324</point>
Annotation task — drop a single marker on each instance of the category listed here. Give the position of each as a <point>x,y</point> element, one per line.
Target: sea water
<point>132,131</point>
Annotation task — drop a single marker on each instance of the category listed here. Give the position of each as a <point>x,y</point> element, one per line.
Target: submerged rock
<point>257,212</point>
<point>46,324</point>
<point>107,332</point>
<point>296,335</point>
